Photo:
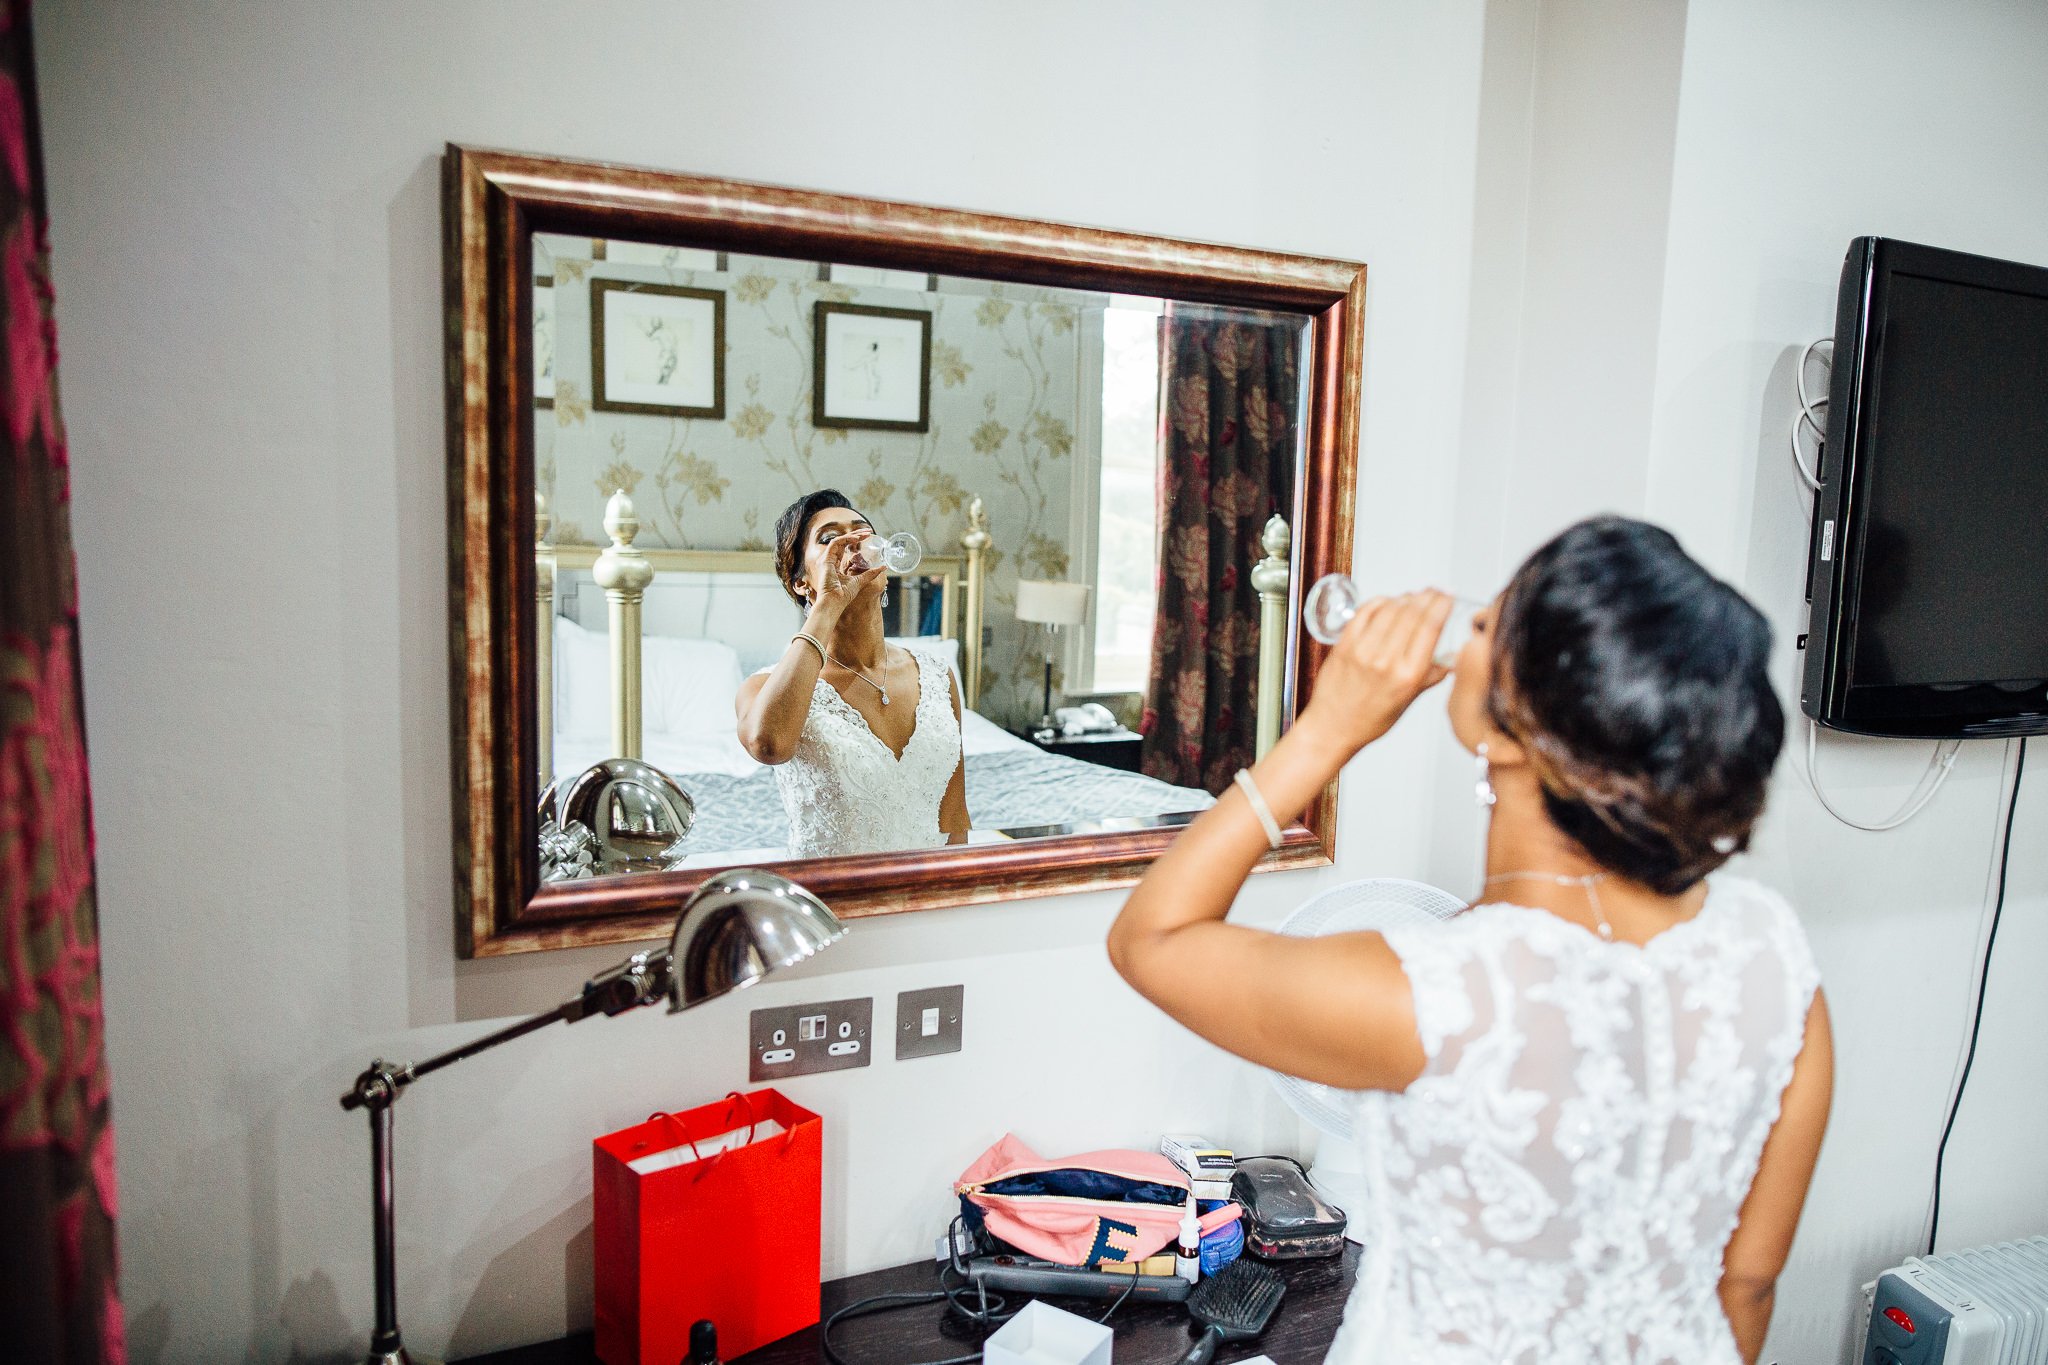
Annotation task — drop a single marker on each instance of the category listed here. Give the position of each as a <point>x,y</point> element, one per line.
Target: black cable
<point>1121,1297</point>
<point>876,1305</point>
<point>986,1310</point>
<point>1983,981</point>
<point>983,1315</point>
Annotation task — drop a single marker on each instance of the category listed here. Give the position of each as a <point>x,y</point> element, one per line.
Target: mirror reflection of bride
<point>863,735</point>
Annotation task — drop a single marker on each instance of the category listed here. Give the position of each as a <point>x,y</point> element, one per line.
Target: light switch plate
<point>799,1040</point>
<point>914,1017</point>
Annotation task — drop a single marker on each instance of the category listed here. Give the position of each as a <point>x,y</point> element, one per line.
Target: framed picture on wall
<point>657,349</point>
<point>544,341</point>
<point>871,367</point>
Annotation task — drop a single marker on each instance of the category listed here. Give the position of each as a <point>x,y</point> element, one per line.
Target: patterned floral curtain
<point>58,1300</point>
<point>1229,392</point>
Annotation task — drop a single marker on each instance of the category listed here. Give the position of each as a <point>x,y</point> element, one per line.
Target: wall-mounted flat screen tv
<point>1928,568</point>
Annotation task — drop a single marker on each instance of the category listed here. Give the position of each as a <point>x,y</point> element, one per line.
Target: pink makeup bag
<point>1080,1210</point>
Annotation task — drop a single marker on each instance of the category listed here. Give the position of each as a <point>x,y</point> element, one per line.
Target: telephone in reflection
<point>1089,718</point>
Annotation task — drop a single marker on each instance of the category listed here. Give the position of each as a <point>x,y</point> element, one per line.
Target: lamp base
<point>398,1355</point>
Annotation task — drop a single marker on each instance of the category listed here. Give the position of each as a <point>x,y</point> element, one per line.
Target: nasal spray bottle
<point>1187,1257</point>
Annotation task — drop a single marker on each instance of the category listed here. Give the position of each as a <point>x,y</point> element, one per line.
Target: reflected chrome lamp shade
<point>738,927</point>
<point>637,813</point>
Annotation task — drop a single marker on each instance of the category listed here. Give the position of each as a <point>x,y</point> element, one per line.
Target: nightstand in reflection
<point>1116,748</point>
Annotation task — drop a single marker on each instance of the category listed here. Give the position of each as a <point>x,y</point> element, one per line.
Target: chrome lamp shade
<point>733,930</point>
<point>740,926</point>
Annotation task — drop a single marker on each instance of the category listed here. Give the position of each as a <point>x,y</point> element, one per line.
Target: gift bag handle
<point>753,1123</point>
<point>673,1121</point>
<point>789,1134</point>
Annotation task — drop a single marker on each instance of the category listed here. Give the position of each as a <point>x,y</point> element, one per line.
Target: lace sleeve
<point>1789,936</point>
<point>1437,959</point>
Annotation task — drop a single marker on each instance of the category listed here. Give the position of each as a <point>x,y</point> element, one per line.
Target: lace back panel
<point>844,791</point>
<point>1562,1180</point>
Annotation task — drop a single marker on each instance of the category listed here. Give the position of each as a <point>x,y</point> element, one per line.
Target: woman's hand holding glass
<point>844,579</point>
<point>1379,665</point>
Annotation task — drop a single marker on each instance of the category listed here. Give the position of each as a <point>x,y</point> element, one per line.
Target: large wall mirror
<point>1118,459</point>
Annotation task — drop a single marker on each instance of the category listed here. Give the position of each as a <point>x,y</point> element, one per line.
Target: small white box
<point>1043,1335</point>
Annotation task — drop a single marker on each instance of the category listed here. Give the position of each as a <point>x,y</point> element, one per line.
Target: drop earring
<point>1482,790</point>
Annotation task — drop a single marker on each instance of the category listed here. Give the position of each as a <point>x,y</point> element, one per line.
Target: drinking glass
<point>899,554</point>
<point>1335,599</point>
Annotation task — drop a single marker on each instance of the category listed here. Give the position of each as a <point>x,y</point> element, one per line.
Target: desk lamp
<point>735,929</point>
<point>1051,605</point>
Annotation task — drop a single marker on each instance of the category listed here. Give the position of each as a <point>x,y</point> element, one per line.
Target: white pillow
<point>687,686</point>
<point>582,681</point>
<point>944,646</point>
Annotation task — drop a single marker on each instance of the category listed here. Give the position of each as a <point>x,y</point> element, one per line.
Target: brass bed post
<point>975,541</point>
<point>624,573</point>
<point>544,634</point>
<point>1270,576</point>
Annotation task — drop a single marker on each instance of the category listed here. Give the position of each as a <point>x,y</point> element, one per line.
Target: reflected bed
<point>1014,789</point>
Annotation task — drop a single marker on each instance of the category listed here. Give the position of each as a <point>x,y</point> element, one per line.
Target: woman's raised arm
<point>1305,1006</point>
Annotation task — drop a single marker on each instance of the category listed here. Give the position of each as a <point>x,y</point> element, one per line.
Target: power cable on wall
<point>1811,411</point>
<point>1977,1010</point>
<point>1939,763</point>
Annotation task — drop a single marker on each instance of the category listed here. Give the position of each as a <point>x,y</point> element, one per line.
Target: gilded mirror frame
<point>493,203</point>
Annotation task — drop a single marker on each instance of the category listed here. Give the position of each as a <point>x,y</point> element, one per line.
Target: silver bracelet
<point>812,641</point>
<point>1259,807</point>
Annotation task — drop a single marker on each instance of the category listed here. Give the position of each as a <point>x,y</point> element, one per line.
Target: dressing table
<point>1299,1334</point>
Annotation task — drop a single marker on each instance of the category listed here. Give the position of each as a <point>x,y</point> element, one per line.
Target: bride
<point>864,736</point>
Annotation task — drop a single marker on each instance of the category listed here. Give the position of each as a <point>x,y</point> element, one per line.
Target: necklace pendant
<point>885,696</point>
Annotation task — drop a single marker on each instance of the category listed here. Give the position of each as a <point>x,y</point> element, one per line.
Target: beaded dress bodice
<point>845,791</point>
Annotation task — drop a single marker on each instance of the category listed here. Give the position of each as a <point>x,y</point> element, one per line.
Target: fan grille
<point>1376,903</point>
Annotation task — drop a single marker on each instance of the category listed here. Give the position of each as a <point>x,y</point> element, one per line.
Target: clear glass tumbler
<point>1335,599</point>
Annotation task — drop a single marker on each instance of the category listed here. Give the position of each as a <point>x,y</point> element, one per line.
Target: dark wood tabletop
<point>1299,1334</point>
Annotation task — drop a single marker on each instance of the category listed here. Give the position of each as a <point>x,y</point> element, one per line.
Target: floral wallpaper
<point>1004,362</point>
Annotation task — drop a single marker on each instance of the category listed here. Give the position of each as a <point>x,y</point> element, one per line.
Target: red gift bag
<point>709,1213</point>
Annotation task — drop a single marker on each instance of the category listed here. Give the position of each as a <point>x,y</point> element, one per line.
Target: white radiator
<point>1984,1306</point>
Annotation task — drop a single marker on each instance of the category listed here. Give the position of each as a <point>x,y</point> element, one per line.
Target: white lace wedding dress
<point>845,791</point>
<point>1560,1183</point>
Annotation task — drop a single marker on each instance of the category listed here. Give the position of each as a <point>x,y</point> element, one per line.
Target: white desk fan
<point>1374,903</point>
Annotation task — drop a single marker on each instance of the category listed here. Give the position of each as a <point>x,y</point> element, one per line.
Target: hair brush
<point>1235,1304</point>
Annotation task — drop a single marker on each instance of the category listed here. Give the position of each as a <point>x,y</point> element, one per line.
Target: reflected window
<point>1127,526</point>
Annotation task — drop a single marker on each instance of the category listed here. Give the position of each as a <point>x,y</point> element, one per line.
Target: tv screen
<point>1929,568</point>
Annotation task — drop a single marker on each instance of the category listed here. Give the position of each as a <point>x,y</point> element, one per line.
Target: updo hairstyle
<point>1638,683</point>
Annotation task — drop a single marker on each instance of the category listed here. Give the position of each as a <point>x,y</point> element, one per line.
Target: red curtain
<point>58,1299</point>
<point>1229,398</point>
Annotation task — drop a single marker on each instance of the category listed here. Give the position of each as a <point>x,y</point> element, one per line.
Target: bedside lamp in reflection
<point>1051,605</point>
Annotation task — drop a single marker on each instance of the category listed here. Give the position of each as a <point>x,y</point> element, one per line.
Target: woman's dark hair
<point>1639,685</point>
<point>792,527</point>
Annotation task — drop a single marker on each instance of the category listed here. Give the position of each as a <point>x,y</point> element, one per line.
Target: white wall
<point>1759,141</point>
<point>1799,127</point>
<point>245,226</point>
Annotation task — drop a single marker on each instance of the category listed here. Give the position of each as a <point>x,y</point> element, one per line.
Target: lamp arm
<point>641,979</point>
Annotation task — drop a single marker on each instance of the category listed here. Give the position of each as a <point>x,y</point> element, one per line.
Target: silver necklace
<point>858,674</point>
<point>1586,884</point>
